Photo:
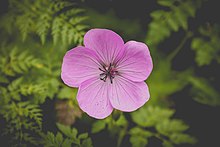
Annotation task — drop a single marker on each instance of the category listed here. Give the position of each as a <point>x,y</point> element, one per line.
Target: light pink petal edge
<point>93,98</point>
<point>136,62</point>
<point>79,64</point>
<point>126,95</point>
<point>106,43</point>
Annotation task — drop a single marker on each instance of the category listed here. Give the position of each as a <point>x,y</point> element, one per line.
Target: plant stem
<point>121,135</point>
<point>180,46</point>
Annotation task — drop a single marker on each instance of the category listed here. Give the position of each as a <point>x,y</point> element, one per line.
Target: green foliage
<point>170,131</point>
<point>22,118</point>
<point>149,117</point>
<point>67,137</point>
<point>163,75</point>
<point>16,62</point>
<point>166,21</point>
<point>139,137</point>
<point>203,92</point>
<point>26,81</point>
<point>67,93</point>
<point>116,124</point>
<point>61,20</point>
<point>98,126</point>
<point>207,47</point>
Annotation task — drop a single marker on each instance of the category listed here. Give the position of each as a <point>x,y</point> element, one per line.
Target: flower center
<point>108,72</point>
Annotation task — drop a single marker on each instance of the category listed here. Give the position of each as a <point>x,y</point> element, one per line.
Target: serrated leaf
<point>151,116</point>
<point>168,127</point>
<point>66,130</point>
<point>67,143</point>
<point>137,131</point>
<point>83,136</point>
<point>59,138</point>
<point>87,143</point>
<point>178,138</point>
<point>172,22</point>
<point>203,92</point>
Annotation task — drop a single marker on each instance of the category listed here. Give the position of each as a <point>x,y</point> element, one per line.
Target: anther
<point>108,72</point>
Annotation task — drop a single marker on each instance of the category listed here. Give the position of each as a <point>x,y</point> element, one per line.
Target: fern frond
<point>21,118</point>
<point>24,24</point>
<point>17,62</point>
<point>207,47</point>
<point>166,22</point>
<point>68,137</point>
<point>43,26</point>
<point>48,19</point>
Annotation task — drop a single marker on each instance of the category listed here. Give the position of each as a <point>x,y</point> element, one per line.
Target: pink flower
<point>109,73</point>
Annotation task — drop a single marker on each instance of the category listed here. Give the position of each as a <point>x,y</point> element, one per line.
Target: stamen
<point>101,69</point>
<point>108,72</point>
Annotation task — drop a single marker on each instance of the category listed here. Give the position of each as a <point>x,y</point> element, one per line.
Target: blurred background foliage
<point>37,109</point>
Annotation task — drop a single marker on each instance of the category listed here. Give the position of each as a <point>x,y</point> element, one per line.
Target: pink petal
<point>106,43</point>
<point>126,95</point>
<point>79,65</point>
<point>93,98</point>
<point>136,63</point>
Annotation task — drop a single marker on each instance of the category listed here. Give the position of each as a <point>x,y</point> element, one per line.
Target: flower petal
<point>79,65</point>
<point>93,98</point>
<point>136,63</point>
<point>126,95</point>
<point>106,43</point>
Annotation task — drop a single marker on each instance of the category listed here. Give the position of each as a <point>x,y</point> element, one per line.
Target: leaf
<point>173,24</point>
<point>43,26</point>
<point>138,141</point>
<point>121,121</point>
<point>24,23</point>
<point>164,22</point>
<point>98,126</point>
<point>66,130</point>
<point>47,19</point>
<point>136,131</point>
<point>203,92</point>
<point>67,143</point>
<point>3,79</point>
<point>167,143</point>
<point>165,2</point>
<point>178,138</point>
<point>67,93</point>
<point>168,127</point>
<point>87,143</point>
<point>151,116</point>
<point>83,136</point>
<point>17,62</point>
<point>206,47</point>
<point>56,27</point>
<point>162,76</point>
<point>181,18</point>
<point>59,139</point>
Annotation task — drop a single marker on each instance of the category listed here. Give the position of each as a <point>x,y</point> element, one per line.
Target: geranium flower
<point>109,73</point>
